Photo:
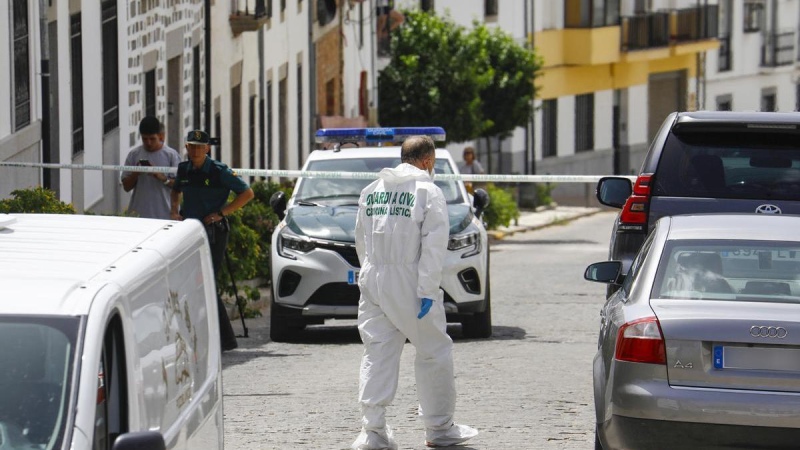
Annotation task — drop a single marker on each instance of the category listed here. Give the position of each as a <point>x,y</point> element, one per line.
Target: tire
<point>479,325</point>
<point>282,327</point>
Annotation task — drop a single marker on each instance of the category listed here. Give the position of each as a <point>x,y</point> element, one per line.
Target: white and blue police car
<point>314,265</point>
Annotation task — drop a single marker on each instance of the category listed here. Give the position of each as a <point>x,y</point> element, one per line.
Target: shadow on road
<point>544,242</point>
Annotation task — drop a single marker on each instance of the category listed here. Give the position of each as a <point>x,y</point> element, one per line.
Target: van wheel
<point>479,325</point>
<point>282,326</point>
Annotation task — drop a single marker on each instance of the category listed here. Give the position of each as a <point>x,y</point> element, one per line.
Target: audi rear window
<point>730,164</point>
<point>761,271</point>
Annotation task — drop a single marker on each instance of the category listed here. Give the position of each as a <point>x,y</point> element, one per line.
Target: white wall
<point>603,119</point>
<point>284,41</point>
<point>91,34</point>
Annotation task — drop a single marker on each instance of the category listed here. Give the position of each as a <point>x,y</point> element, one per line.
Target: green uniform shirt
<point>205,190</point>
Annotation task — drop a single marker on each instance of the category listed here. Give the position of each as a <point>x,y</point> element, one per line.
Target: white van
<point>108,329</point>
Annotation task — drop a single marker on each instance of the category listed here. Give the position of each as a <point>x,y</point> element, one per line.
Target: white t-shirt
<point>150,197</point>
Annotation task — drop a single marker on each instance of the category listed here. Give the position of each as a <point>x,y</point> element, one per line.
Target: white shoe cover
<point>374,440</point>
<point>457,434</point>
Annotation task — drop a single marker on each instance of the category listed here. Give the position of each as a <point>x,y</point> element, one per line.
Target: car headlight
<point>466,240</point>
<point>462,241</point>
<point>290,241</point>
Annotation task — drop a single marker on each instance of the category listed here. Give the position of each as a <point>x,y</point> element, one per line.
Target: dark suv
<point>701,162</point>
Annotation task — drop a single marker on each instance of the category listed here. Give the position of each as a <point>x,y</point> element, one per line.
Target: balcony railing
<point>695,24</point>
<point>644,31</point>
<point>249,15</point>
<point>778,49</point>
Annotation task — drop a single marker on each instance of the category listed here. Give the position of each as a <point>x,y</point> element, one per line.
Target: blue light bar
<point>398,134</point>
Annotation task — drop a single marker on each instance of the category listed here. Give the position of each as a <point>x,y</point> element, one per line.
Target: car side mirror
<point>608,272</point>
<point>140,440</point>
<point>278,204</point>
<point>480,201</point>
<point>614,191</point>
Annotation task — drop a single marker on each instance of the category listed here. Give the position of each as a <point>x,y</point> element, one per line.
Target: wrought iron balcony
<point>695,24</point>
<point>250,15</point>
<point>778,49</point>
<point>644,31</point>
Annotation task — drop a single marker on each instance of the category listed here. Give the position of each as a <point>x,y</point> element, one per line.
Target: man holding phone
<point>151,191</point>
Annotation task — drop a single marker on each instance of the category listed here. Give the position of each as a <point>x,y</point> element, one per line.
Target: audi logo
<point>768,332</point>
<point>768,209</point>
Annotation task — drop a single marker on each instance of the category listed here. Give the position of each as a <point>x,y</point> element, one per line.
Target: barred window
<point>490,8</point>
<point>150,93</point>
<point>196,87</point>
<point>584,122</point>
<point>549,128</point>
<point>77,83</point>
<point>110,66</point>
<point>753,15</point>
<point>299,115</point>
<point>252,129</point>
<point>22,71</point>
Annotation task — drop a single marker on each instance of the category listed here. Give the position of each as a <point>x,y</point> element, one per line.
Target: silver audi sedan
<point>700,347</point>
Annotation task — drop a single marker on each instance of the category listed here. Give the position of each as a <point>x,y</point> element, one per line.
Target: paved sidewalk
<point>542,217</point>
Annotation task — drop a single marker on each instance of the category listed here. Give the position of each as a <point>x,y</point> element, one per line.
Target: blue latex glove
<point>424,307</point>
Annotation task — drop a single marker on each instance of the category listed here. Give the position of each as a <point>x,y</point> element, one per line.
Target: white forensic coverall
<point>402,230</point>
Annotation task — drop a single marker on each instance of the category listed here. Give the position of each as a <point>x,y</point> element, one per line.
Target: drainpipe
<point>532,125</point>
<point>207,20</point>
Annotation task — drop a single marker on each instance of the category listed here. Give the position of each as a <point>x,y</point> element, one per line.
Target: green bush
<point>544,194</point>
<point>35,200</point>
<point>502,207</point>
<point>249,243</point>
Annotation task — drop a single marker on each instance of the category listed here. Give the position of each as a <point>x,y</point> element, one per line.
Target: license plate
<point>352,277</point>
<point>757,358</point>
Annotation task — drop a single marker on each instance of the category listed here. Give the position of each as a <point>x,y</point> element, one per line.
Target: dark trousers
<point>218,239</point>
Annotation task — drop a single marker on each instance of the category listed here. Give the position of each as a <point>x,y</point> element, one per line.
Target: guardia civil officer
<point>401,257</point>
<point>205,185</point>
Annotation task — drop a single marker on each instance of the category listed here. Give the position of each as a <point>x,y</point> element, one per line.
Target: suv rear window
<point>730,164</point>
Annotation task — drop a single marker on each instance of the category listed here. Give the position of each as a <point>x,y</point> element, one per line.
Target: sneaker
<point>457,434</point>
<point>374,440</point>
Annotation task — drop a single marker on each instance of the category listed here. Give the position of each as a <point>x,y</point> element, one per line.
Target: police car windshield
<point>35,378</point>
<point>344,191</point>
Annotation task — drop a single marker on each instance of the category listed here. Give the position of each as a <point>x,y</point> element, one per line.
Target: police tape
<point>492,178</point>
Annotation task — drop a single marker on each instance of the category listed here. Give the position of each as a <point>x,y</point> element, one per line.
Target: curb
<point>499,235</point>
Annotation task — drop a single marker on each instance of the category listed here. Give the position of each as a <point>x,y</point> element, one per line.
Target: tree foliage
<point>506,100</point>
<point>474,83</point>
<point>431,78</point>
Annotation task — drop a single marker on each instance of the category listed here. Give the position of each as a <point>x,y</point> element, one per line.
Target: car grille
<point>347,251</point>
<point>335,294</point>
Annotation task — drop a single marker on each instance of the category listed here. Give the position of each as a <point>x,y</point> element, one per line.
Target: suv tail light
<point>641,341</point>
<point>635,210</point>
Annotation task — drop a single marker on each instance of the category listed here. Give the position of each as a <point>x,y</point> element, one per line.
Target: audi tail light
<point>641,341</point>
<point>634,213</point>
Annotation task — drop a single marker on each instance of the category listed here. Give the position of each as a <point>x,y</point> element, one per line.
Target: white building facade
<point>20,93</point>
<point>757,67</point>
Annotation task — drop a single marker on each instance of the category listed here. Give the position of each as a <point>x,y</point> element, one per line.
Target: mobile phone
<point>144,162</point>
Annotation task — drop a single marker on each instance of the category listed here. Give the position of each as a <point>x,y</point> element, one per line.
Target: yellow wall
<point>580,61</point>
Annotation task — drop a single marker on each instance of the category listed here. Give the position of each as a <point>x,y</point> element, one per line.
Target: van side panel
<point>198,365</point>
